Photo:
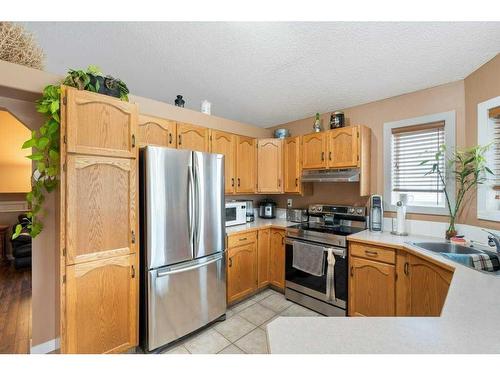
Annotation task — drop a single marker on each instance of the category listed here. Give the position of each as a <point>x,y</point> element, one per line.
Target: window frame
<point>483,138</point>
<point>449,119</point>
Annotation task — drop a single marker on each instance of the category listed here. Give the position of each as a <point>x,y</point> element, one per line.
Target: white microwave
<point>236,213</point>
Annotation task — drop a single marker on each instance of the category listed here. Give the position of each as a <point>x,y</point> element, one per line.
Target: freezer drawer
<point>185,297</point>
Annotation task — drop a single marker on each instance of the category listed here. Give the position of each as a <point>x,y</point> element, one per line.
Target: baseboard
<point>46,347</point>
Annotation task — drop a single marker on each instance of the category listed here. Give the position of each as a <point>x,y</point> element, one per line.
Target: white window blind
<point>494,115</point>
<point>410,146</point>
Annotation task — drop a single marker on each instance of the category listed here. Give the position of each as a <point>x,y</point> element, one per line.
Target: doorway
<point>15,255</point>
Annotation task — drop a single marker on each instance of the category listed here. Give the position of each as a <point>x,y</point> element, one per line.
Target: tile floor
<point>244,330</point>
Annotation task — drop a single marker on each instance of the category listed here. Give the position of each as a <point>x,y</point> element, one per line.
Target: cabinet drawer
<point>373,252</point>
<point>241,239</point>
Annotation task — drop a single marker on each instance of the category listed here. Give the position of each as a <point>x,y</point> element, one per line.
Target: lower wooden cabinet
<point>241,271</point>
<point>395,282</point>
<point>277,258</point>
<point>426,286</point>
<point>263,257</point>
<point>371,288</point>
<point>101,305</point>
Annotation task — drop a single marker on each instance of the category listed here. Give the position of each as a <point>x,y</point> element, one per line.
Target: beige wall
<point>15,168</point>
<point>425,102</point>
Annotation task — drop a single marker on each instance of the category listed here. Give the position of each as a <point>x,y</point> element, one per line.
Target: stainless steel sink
<point>446,247</point>
<point>448,250</point>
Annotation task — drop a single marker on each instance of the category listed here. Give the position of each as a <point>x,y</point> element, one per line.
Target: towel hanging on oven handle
<point>330,276</point>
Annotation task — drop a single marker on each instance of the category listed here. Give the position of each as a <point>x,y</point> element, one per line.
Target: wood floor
<point>15,309</point>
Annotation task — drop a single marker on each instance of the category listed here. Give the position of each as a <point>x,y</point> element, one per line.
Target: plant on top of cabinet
<point>469,168</point>
<point>44,142</point>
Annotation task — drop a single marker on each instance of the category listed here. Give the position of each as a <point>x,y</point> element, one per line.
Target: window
<point>488,194</point>
<point>406,144</point>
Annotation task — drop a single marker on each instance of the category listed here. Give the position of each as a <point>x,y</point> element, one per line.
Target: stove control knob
<point>359,211</point>
<point>319,209</point>
<point>312,209</point>
<point>351,210</point>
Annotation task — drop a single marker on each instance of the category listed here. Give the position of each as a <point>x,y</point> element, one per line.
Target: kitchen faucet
<point>493,240</point>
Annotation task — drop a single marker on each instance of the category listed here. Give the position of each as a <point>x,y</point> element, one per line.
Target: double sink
<point>462,254</point>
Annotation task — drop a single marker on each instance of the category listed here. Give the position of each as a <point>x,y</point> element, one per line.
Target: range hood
<point>331,175</point>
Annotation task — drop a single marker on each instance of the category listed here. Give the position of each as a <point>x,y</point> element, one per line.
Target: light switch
<point>289,202</point>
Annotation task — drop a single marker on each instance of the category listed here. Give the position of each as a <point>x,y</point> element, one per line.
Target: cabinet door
<point>246,165</point>
<point>192,137</point>
<point>292,168</point>
<point>156,131</point>
<point>371,288</point>
<point>269,165</point>
<point>241,271</point>
<point>263,248</point>
<point>343,149</point>
<point>101,203</point>
<point>225,144</point>
<point>101,306</point>
<point>314,151</point>
<point>99,124</point>
<point>277,258</point>
<point>428,287</point>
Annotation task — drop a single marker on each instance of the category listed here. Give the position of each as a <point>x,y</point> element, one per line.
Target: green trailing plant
<point>468,168</point>
<point>45,141</point>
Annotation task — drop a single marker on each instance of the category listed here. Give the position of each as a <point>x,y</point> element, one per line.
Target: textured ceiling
<point>270,73</point>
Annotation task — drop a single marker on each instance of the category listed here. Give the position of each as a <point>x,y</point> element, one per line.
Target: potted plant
<point>45,141</point>
<point>468,168</point>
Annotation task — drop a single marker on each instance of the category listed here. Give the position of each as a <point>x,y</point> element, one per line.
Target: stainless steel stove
<point>328,227</point>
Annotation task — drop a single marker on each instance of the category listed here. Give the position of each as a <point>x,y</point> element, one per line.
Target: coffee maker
<point>376,213</point>
<point>250,212</point>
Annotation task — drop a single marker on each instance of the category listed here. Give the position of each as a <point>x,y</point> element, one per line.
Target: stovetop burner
<point>340,230</point>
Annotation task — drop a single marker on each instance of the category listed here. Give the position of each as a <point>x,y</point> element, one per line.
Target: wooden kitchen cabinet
<point>246,165</point>
<point>292,165</point>
<point>343,147</point>
<point>101,208</point>
<point>277,258</point>
<point>156,131</point>
<point>225,144</point>
<point>314,149</point>
<point>270,165</point>
<point>371,288</point>
<point>263,257</point>
<point>423,286</point>
<point>241,269</point>
<point>102,306</point>
<point>98,227</point>
<point>192,137</point>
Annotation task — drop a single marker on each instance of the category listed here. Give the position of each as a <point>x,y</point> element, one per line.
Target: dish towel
<point>308,258</point>
<point>481,261</point>
<point>330,276</point>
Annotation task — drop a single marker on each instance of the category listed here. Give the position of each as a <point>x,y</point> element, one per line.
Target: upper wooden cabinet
<point>101,306</point>
<point>371,288</point>
<point>263,255</point>
<point>292,165</point>
<point>277,258</point>
<point>314,148</point>
<point>343,147</point>
<point>270,165</point>
<point>192,137</point>
<point>100,125</point>
<point>246,164</point>
<point>425,286</point>
<point>225,144</point>
<point>241,267</point>
<point>101,208</point>
<point>156,131</point>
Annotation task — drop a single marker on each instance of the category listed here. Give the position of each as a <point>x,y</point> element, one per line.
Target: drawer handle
<point>232,182</point>
<point>170,138</point>
<point>407,268</point>
<point>296,182</point>
<point>371,253</point>
<point>242,239</point>
<point>180,139</point>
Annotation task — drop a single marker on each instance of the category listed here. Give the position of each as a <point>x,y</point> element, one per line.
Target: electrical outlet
<point>289,203</point>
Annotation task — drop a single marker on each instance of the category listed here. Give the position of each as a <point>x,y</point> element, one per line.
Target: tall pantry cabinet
<point>98,223</point>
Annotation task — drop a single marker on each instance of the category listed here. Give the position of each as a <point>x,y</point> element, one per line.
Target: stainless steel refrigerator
<point>183,243</point>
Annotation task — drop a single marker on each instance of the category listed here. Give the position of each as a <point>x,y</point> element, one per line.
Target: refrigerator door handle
<point>196,210</point>
<point>190,207</point>
<point>174,270</point>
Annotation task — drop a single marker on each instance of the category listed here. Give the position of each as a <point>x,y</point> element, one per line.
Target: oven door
<point>317,286</point>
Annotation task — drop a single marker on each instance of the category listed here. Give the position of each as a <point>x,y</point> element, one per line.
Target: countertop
<point>469,322</point>
<point>259,223</point>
